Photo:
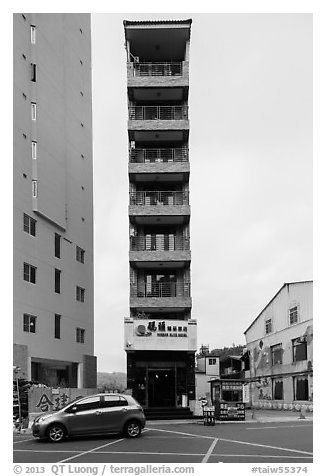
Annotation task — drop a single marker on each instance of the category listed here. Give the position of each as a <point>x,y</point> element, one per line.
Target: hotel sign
<point>146,334</point>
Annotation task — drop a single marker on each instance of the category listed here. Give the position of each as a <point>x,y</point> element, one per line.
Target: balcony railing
<point>158,113</point>
<point>157,69</point>
<point>159,155</point>
<point>159,242</point>
<point>150,198</point>
<point>161,290</point>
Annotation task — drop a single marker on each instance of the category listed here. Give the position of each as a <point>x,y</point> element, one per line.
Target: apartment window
<point>211,361</point>
<point>299,349</point>
<point>277,389</point>
<point>34,188</point>
<point>80,254</point>
<point>277,354</point>
<point>268,326</point>
<point>57,245</point>
<point>33,110</point>
<point>293,315</point>
<point>300,388</point>
<point>57,326</point>
<point>33,34</point>
<point>33,72</point>
<point>29,225</point>
<point>29,273</point>
<point>29,323</point>
<point>34,149</point>
<point>80,335</point>
<point>80,294</point>
<point>57,281</point>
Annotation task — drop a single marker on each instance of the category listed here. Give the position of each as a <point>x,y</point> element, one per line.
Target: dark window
<point>211,361</point>
<point>29,323</point>
<point>57,326</point>
<point>80,294</point>
<point>80,335</point>
<point>80,254</point>
<point>300,388</point>
<point>57,281</point>
<point>293,315</point>
<point>299,349</point>
<point>277,354</point>
<point>57,245</point>
<point>33,72</point>
<point>91,403</point>
<point>268,326</point>
<point>29,225</point>
<point>277,389</point>
<point>113,401</point>
<point>29,273</point>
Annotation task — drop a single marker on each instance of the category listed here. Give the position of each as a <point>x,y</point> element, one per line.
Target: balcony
<point>158,155</point>
<point>158,113</point>
<point>158,74</point>
<point>169,250</point>
<point>161,290</point>
<point>163,203</point>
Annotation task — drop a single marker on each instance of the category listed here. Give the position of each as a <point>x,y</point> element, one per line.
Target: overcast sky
<point>250,101</point>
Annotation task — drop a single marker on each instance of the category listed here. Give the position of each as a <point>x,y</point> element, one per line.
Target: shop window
<point>277,389</point>
<point>299,349</point>
<point>277,354</point>
<point>268,326</point>
<point>300,388</point>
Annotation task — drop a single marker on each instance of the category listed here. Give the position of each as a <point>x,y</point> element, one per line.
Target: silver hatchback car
<point>104,413</point>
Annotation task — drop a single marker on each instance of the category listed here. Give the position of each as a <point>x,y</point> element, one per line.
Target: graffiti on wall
<point>45,404</point>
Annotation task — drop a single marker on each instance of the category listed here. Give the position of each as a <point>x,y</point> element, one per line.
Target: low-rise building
<point>280,344</point>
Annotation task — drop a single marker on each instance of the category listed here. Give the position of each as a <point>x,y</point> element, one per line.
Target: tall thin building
<point>53,309</point>
<point>160,335</point>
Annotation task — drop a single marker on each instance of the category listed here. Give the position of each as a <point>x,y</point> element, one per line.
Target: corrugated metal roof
<point>285,284</point>
<point>156,22</point>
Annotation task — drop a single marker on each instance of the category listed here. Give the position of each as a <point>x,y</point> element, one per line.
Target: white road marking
<point>91,451</point>
<point>260,456</point>
<point>23,441</point>
<point>266,446</point>
<point>276,427</point>
<point>182,433</point>
<point>209,452</point>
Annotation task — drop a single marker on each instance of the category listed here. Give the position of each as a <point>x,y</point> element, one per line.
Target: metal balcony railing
<point>151,198</point>
<point>158,113</point>
<point>159,155</point>
<point>159,242</point>
<point>161,290</point>
<point>157,69</point>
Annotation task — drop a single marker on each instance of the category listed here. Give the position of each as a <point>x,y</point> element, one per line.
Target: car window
<point>113,401</point>
<point>88,404</point>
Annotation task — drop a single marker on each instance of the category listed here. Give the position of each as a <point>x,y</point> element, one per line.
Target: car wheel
<point>56,433</point>
<point>133,429</point>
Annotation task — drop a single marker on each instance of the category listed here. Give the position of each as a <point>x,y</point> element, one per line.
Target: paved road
<point>286,442</point>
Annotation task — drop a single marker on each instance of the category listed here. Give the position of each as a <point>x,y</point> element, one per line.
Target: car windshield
<point>70,404</point>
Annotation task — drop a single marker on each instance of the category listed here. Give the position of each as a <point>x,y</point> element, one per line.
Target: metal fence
<point>158,113</point>
<point>159,155</point>
<point>161,290</point>
<point>157,69</point>
<point>154,198</point>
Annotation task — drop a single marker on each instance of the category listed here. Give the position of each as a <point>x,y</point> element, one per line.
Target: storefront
<point>227,398</point>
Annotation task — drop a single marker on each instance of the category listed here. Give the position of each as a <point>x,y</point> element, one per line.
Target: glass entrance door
<point>161,388</point>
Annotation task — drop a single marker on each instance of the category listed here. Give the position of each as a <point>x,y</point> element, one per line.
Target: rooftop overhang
<point>158,40</point>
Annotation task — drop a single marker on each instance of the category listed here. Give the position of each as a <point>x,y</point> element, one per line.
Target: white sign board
<point>245,393</point>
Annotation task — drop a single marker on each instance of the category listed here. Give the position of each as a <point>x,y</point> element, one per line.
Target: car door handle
<point>98,412</point>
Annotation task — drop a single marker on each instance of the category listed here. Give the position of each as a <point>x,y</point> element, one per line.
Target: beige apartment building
<point>53,307</point>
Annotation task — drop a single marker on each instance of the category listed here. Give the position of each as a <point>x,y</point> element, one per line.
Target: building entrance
<point>161,388</point>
